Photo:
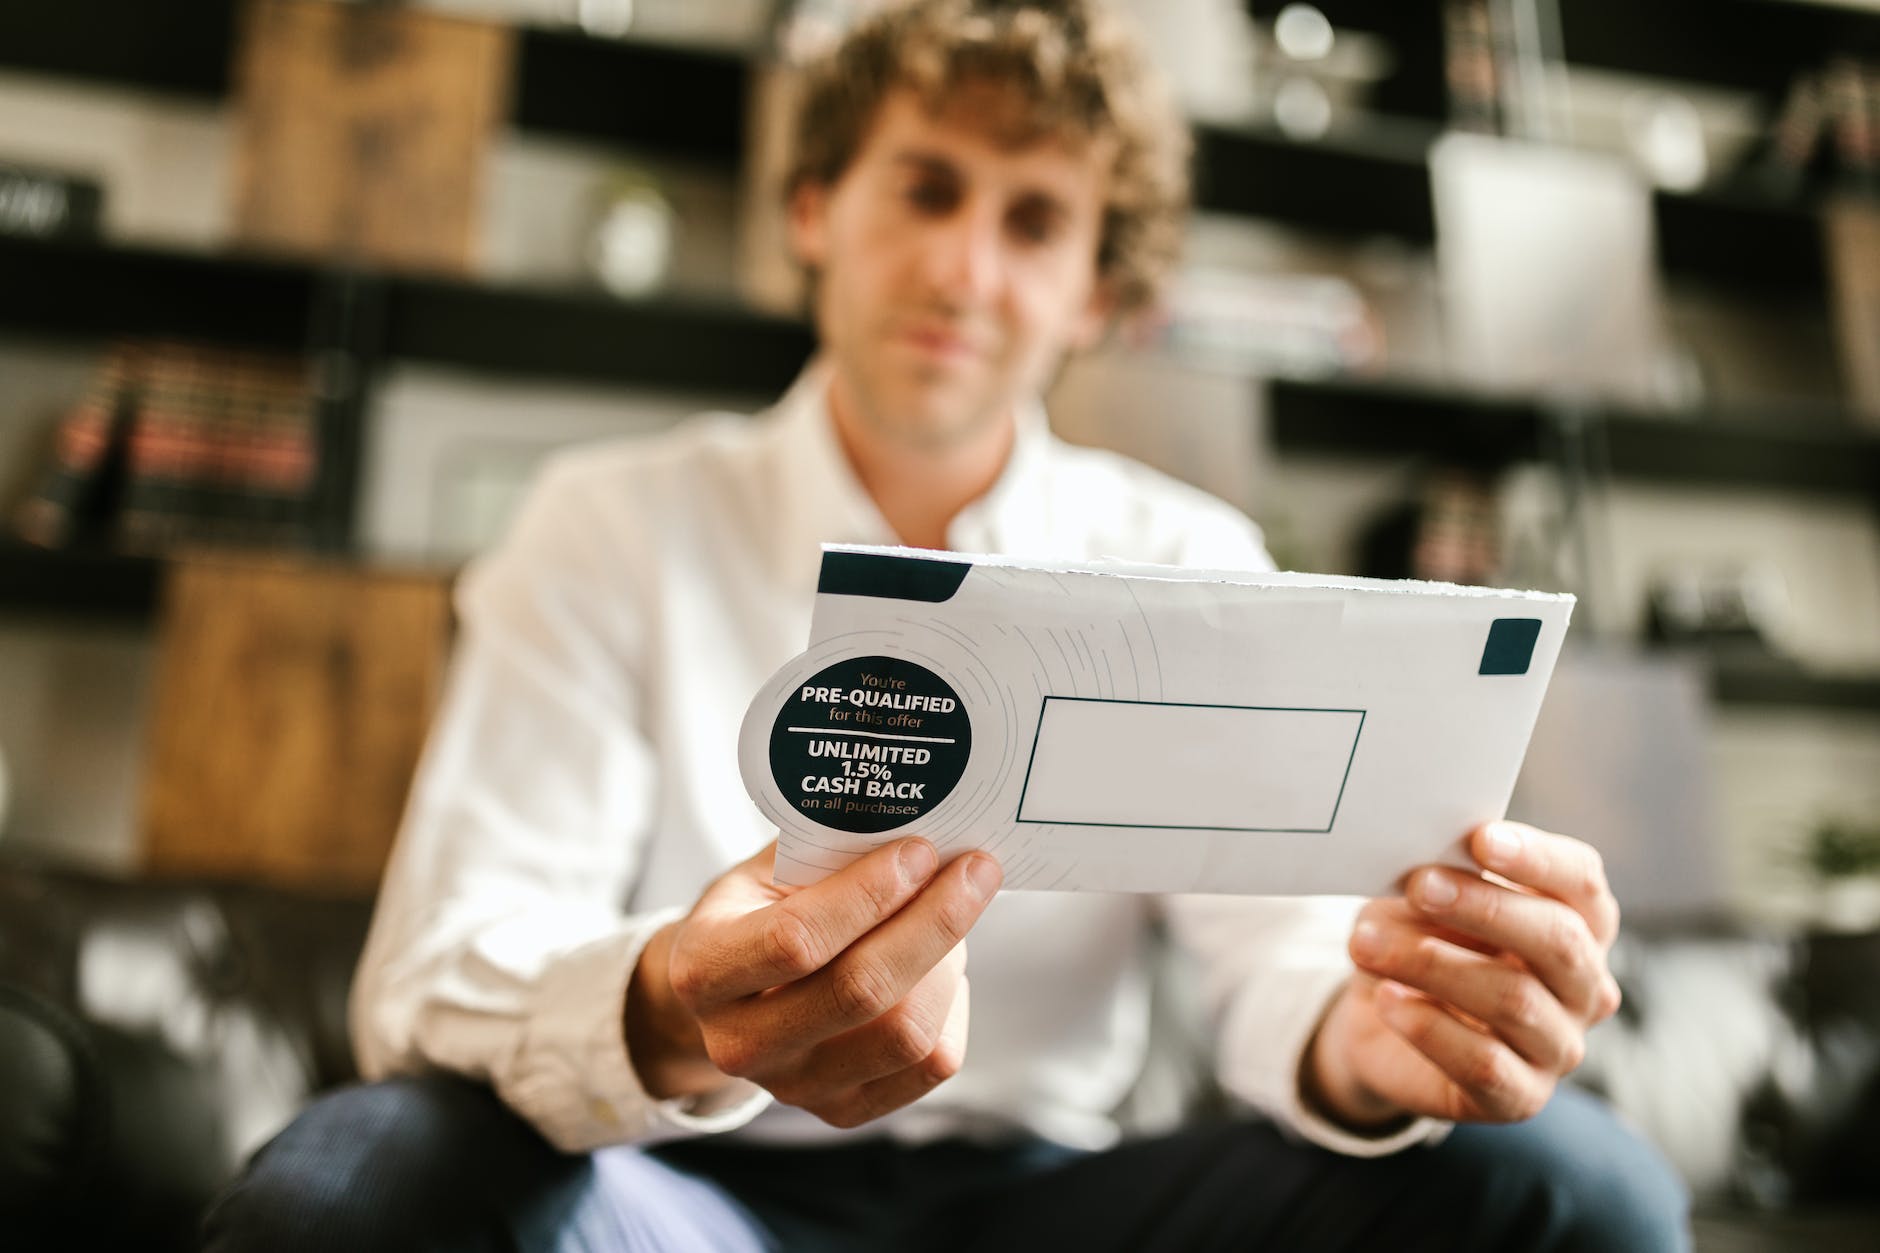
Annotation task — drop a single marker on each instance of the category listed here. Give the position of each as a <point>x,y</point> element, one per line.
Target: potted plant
<point>1844,858</point>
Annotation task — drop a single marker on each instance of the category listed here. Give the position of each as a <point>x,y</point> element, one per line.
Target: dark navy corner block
<point>1510,645</point>
<point>889,575</point>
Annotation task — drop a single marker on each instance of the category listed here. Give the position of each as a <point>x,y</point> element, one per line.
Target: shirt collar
<point>827,502</point>
<point>824,502</point>
<point>1011,517</point>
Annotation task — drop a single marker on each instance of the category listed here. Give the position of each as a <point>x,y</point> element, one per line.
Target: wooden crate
<point>361,130</point>
<point>292,701</point>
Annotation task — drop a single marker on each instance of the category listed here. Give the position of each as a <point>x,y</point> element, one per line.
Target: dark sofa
<point>151,1034</point>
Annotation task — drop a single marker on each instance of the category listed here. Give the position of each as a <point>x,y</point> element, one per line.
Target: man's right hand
<point>847,998</point>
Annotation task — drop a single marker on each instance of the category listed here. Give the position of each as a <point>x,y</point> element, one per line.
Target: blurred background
<point>1580,295</point>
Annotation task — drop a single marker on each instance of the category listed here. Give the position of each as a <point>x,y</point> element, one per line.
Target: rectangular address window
<point>1221,767</point>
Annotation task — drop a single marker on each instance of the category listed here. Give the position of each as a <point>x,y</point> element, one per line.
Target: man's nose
<point>965,263</point>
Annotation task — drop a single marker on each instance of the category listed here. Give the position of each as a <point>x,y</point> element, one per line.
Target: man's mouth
<point>940,343</point>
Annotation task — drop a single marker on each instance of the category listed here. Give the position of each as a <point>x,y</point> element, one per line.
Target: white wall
<point>72,696</point>
<point>449,452</point>
<point>73,701</point>
<point>164,161</point>
<point>1779,774</point>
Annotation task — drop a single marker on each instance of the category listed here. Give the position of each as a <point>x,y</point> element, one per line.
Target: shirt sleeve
<point>499,948</point>
<point>1271,965</point>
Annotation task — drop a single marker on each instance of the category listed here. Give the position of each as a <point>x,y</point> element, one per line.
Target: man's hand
<point>847,998</point>
<point>1473,994</point>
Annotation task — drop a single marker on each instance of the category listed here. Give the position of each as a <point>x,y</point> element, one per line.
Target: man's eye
<point>1034,227</point>
<point>931,197</point>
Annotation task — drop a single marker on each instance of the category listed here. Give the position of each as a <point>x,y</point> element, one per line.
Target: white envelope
<point>1118,727</point>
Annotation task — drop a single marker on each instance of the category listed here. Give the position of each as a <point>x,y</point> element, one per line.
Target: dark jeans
<point>439,1163</point>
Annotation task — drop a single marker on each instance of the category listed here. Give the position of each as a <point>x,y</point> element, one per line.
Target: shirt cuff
<point>572,1077</point>
<point>1264,1070</point>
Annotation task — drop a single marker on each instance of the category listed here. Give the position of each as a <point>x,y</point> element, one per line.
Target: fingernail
<point>1501,844</point>
<point>918,861</point>
<point>1435,890</point>
<point>1390,997</point>
<point>1366,939</point>
<point>984,875</point>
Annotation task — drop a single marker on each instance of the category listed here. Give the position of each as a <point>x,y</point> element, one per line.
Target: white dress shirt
<point>581,788</point>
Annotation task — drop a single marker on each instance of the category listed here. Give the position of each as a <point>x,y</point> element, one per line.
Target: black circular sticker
<point>870,744</point>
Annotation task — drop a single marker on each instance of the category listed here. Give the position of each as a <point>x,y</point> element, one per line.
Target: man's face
<point>953,272</point>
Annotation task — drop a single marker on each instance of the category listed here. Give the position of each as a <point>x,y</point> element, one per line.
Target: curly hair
<point>1068,68</point>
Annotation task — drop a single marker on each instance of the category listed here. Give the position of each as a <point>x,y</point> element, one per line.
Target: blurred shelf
<point>1807,451</point>
<point>181,48</point>
<point>95,585</point>
<point>90,288</point>
<point>94,289</point>
<point>1748,45</point>
<point>1383,419</point>
<point>1375,180</point>
<point>588,335</point>
<point>1777,684</point>
<point>99,585</point>
<point>1743,241</point>
<point>1346,418</point>
<point>692,103</point>
<point>653,97</point>
<point>1370,182</point>
<point>567,78</point>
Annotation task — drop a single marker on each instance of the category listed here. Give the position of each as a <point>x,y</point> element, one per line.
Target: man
<point>579,913</point>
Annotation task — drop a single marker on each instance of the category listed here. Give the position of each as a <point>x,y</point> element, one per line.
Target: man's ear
<point>809,214</point>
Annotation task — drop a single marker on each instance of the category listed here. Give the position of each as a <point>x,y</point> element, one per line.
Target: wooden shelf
<point>1376,181</point>
<point>1372,182</point>
<point>94,289</point>
<point>1751,45</point>
<point>671,101</point>
<point>1746,45</point>
<point>1774,684</point>
<point>95,585</point>
<point>1742,241</point>
<point>1813,452</point>
<point>1798,451</point>
<point>180,48</point>
<point>689,344</point>
<point>1350,418</point>
<point>658,342</point>
<point>692,104</point>
<point>720,347</point>
<point>653,97</point>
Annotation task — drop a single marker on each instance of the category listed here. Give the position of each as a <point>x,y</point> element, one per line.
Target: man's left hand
<point>1474,993</point>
